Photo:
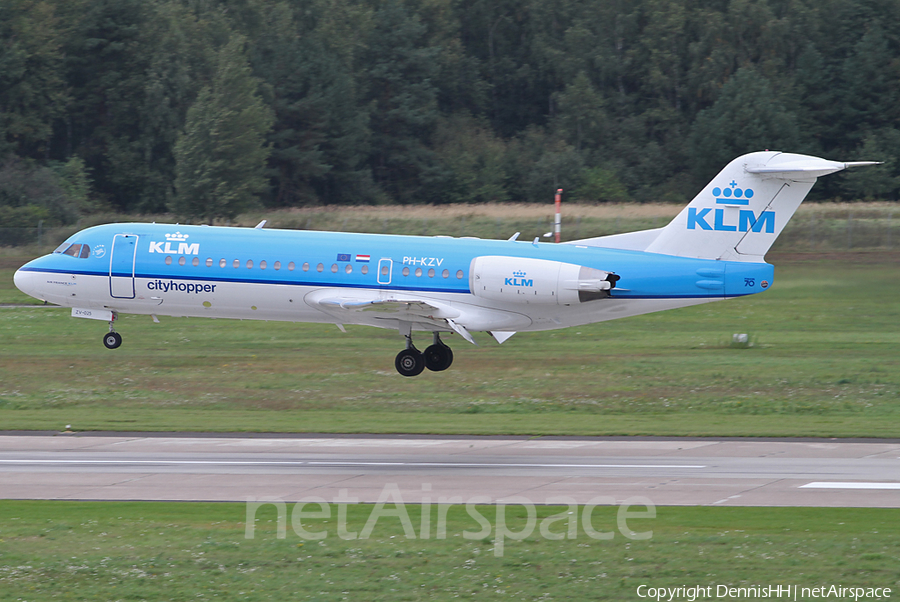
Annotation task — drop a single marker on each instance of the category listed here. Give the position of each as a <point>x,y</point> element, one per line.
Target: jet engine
<point>537,281</point>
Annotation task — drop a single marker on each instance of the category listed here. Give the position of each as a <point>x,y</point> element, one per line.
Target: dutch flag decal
<point>362,258</point>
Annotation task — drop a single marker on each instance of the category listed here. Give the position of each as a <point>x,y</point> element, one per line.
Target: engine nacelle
<point>537,281</point>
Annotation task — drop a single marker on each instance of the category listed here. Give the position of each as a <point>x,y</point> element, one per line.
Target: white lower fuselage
<point>289,303</point>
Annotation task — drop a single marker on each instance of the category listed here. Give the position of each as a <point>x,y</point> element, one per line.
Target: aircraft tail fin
<point>741,212</point>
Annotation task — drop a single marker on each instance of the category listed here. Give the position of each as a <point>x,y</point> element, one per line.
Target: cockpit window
<point>77,250</point>
<point>62,247</point>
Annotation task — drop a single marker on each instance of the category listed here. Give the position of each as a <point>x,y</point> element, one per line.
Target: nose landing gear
<point>411,361</point>
<point>112,339</point>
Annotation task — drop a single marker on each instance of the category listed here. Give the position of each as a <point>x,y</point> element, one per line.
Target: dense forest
<point>206,107</point>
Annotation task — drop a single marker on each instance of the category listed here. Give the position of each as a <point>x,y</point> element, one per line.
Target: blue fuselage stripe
<point>311,284</point>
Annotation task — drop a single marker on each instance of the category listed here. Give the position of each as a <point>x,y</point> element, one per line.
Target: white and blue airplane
<point>713,250</point>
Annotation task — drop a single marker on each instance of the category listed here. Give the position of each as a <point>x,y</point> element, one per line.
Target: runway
<point>450,469</point>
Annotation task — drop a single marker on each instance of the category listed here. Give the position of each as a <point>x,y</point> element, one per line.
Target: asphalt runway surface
<point>367,468</point>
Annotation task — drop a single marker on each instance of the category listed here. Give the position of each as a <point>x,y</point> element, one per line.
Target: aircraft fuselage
<point>223,272</point>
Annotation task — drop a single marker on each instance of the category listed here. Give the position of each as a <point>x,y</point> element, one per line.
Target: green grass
<point>181,551</point>
<point>826,362</point>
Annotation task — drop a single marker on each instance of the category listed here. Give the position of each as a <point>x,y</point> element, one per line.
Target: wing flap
<point>391,307</point>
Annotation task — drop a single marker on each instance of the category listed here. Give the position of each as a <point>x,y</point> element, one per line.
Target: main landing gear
<point>112,339</point>
<point>436,357</point>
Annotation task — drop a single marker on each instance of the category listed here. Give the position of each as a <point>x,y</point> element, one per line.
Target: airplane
<point>713,249</point>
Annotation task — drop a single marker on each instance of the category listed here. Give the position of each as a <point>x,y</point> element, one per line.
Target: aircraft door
<point>385,267</point>
<point>121,266</point>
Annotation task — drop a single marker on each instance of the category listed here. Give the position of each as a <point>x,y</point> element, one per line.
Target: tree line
<point>207,107</point>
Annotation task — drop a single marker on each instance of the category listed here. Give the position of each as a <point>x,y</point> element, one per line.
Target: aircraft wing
<point>402,309</point>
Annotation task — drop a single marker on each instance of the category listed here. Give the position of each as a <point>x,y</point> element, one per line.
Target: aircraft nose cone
<point>25,281</point>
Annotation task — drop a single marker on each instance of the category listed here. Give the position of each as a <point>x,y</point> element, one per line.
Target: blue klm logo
<point>747,220</point>
<point>518,279</point>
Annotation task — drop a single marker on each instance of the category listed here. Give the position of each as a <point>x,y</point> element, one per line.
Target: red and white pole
<point>557,225</point>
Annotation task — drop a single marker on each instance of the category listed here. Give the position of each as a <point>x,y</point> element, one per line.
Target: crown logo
<point>732,195</point>
<point>177,237</point>
<point>518,274</point>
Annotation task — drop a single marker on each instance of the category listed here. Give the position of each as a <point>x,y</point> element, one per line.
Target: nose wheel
<point>411,361</point>
<point>112,340</point>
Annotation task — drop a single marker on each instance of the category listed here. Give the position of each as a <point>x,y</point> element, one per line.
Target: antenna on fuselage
<point>260,225</point>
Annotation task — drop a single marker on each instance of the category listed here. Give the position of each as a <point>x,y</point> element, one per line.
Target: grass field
<point>825,362</point>
<point>156,551</point>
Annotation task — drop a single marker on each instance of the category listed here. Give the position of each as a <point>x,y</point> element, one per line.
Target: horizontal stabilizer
<point>812,167</point>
